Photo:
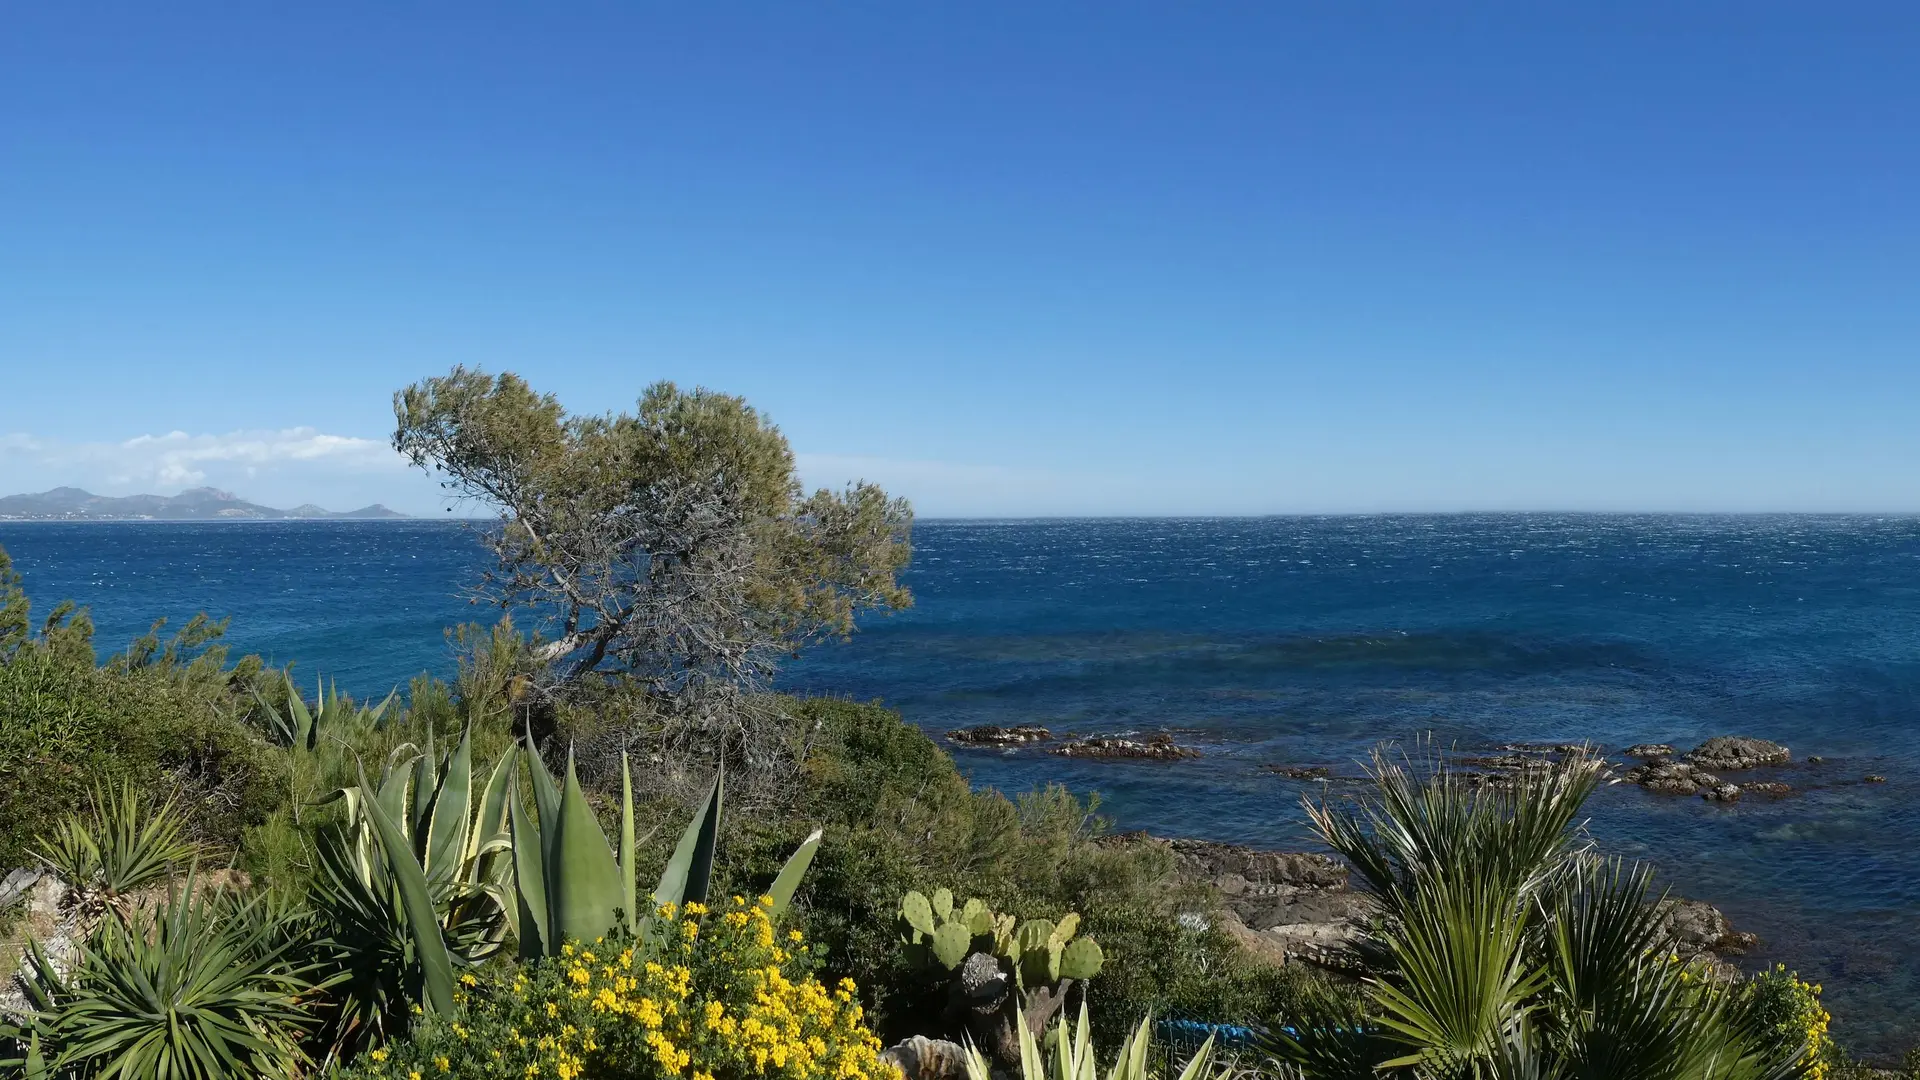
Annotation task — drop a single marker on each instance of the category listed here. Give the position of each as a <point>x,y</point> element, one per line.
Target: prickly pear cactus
<point>936,932</point>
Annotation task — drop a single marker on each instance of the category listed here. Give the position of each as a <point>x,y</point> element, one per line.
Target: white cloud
<point>284,467</point>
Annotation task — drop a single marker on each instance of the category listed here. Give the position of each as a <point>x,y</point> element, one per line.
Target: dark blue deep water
<point>1277,641</point>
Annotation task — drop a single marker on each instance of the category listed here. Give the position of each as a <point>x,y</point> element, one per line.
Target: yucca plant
<point>1509,950</point>
<point>572,884</point>
<point>123,844</point>
<point>1069,1055</point>
<point>192,989</point>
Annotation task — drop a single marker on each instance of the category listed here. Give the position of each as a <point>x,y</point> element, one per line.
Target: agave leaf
<point>450,816</point>
<point>691,867</point>
<point>1200,1065</point>
<point>436,966</point>
<point>303,731</point>
<point>790,874</point>
<point>1131,1062</point>
<point>583,881</point>
<point>546,798</point>
<point>629,887</point>
<point>529,877</point>
<point>490,828</point>
<point>392,792</point>
<point>420,818</point>
<point>374,714</point>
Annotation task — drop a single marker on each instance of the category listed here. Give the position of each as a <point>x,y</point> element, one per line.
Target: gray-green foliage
<point>572,885</point>
<point>1069,1054</point>
<point>674,544</point>
<point>1510,950</point>
<point>415,883</point>
<point>331,717</point>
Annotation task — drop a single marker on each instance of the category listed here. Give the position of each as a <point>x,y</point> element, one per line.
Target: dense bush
<point>168,716</point>
<point>900,816</point>
<point>723,993</point>
<point>1788,1014</point>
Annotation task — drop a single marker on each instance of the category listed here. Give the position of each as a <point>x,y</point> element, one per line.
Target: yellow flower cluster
<point>742,1015</point>
<point>698,995</point>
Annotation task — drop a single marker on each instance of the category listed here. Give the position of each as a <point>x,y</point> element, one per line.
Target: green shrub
<point>1789,1017</point>
<point>67,726</point>
<point>900,816</point>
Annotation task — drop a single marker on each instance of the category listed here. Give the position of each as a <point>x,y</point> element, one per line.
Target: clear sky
<point>1008,259</point>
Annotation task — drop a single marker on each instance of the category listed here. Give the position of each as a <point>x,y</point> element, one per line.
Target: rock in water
<point>1156,748</point>
<point>1648,750</point>
<point>1738,752</point>
<point>1672,778</point>
<point>995,735</point>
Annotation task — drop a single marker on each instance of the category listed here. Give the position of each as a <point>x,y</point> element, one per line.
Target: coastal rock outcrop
<point>1154,747</point>
<point>1735,752</point>
<point>994,735</point>
<point>1694,773</point>
<point>1288,907</point>
<point>1301,772</point>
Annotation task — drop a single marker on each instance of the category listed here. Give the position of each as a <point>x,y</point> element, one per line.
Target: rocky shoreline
<point>1300,907</point>
<point>1658,768</point>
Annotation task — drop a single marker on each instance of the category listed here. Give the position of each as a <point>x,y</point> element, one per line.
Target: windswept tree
<point>672,547</point>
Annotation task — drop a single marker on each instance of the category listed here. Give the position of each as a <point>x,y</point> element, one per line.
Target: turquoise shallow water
<point>1284,640</point>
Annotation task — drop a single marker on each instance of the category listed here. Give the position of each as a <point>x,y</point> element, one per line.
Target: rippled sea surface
<point>1283,641</point>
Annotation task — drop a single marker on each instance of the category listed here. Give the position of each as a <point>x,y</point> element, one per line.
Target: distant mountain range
<point>199,504</point>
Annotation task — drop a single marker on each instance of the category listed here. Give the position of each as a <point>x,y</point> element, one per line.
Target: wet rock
<point>1649,750</point>
<point>921,1058</point>
<point>1722,793</point>
<point>1514,762</point>
<point>1553,749</point>
<point>1699,928</point>
<point>1301,772</point>
<point>1672,778</point>
<point>1154,748</point>
<point>1773,789</point>
<point>1732,752</point>
<point>1873,779</point>
<point>1243,871</point>
<point>995,735</point>
<point>1816,760</point>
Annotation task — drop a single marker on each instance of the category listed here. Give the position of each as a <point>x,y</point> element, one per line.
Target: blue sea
<point>1280,641</point>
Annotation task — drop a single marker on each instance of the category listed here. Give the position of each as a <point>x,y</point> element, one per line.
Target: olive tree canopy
<point>673,546</point>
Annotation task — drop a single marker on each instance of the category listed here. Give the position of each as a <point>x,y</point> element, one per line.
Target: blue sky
<point>1007,259</point>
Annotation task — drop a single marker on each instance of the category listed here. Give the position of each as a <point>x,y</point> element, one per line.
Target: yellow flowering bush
<point>705,995</point>
<point>1788,1011</point>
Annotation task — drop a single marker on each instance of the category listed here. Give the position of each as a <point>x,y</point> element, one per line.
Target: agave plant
<point>412,886</point>
<point>193,989</point>
<point>301,728</point>
<point>123,845</point>
<point>1070,1056</point>
<point>570,883</point>
<point>1509,950</point>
